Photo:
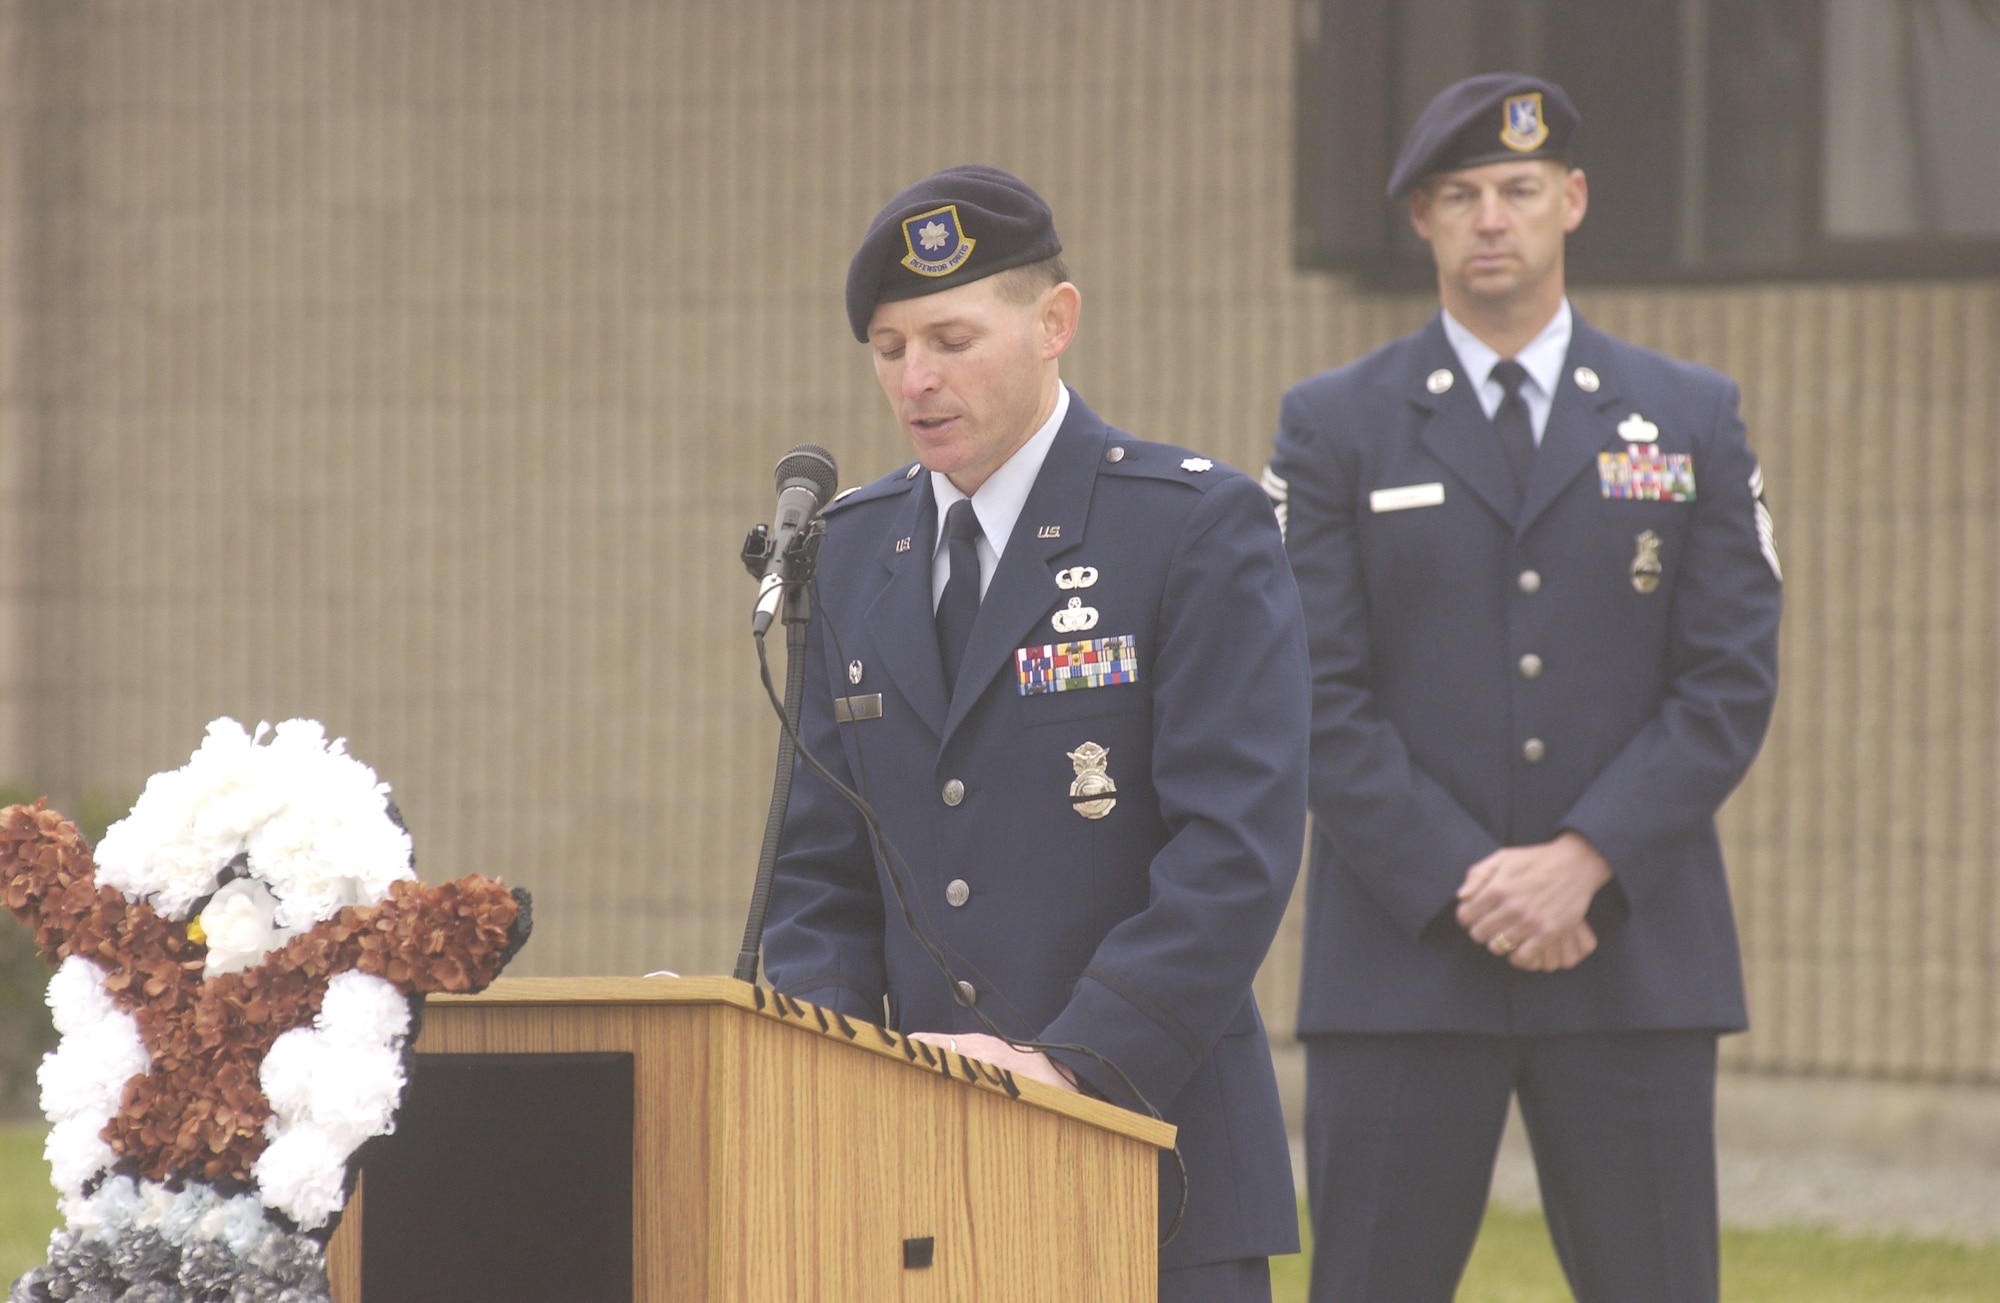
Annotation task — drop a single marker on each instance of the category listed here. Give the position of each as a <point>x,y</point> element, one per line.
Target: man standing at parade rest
<point>1067,667</point>
<point>1542,599</point>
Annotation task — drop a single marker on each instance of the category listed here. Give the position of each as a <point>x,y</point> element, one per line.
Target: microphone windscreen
<point>811,465</point>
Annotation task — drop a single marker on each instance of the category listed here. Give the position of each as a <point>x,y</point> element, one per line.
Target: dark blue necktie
<point>1511,423</point>
<point>959,606</point>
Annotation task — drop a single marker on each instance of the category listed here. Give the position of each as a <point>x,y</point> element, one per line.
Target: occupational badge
<point>1076,577</point>
<point>1524,129</point>
<point>1093,793</point>
<point>1074,618</point>
<point>938,245</point>
<point>1637,429</point>
<point>854,671</point>
<point>1197,464</point>
<point>1646,563</point>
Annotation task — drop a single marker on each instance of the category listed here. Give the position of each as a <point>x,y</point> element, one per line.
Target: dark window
<point>1723,138</point>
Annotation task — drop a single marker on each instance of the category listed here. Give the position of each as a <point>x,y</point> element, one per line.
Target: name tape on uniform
<point>1069,666</point>
<point>849,710</point>
<point>1642,474</point>
<point>1409,495</point>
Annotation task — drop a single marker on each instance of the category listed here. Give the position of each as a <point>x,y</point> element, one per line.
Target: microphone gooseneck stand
<point>799,563</point>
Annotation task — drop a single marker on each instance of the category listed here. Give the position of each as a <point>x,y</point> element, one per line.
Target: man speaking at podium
<point>1067,669</point>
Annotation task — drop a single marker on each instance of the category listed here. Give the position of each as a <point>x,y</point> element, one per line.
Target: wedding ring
<point>1503,944</point>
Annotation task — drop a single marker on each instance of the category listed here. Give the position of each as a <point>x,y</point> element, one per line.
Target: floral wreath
<point>237,971</point>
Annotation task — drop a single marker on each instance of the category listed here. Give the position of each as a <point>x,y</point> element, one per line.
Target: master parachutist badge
<point>1646,564</point>
<point>1074,618</point>
<point>1093,793</point>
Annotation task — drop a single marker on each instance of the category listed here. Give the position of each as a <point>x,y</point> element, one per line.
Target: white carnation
<point>76,996</point>
<point>187,824</point>
<point>83,1078</point>
<point>362,1009</point>
<point>331,1087</point>
<point>333,844</point>
<point>301,1174</point>
<point>313,820</point>
<point>75,1153</point>
<point>100,1049</point>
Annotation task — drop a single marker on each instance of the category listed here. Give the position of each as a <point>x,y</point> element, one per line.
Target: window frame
<point>1346,56</point>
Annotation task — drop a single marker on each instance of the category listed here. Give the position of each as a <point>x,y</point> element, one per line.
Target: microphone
<point>806,480</point>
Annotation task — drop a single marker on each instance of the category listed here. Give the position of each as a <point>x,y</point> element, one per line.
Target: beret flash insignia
<point>937,244</point>
<point>1524,130</point>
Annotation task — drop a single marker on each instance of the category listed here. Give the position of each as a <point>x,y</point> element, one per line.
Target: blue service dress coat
<point>1136,933</point>
<point>1492,668</point>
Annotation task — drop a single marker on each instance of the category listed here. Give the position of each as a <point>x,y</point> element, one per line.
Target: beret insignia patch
<point>937,245</point>
<point>1524,130</point>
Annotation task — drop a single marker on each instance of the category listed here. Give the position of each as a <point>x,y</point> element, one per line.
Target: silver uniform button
<point>954,792</point>
<point>956,893</point>
<point>1115,454</point>
<point>1528,582</point>
<point>968,994</point>
<point>1532,751</point>
<point>1531,666</point>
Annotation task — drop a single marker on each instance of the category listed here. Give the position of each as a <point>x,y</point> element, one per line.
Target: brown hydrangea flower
<point>199,1112</point>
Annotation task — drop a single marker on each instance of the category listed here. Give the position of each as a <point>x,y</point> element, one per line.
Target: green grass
<point>1514,1263</point>
<point>27,1202</point>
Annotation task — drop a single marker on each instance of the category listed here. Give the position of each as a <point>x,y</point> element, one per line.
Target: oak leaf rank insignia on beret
<point>1525,129</point>
<point>937,244</point>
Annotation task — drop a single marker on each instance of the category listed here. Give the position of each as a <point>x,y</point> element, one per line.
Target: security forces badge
<point>937,244</point>
<point>1093,793</point>
<point>1524,130</point>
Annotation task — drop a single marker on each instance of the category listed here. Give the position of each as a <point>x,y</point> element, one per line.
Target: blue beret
<point>1492,118</point>
<point>951,228</point>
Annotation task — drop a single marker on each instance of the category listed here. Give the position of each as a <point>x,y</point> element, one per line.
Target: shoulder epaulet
<point>895,482</point>
<point>1125,455</point>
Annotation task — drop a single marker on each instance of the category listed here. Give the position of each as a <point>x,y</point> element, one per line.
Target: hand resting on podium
<point>1032,1064</point>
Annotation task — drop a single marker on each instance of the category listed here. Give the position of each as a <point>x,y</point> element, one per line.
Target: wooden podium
<point>779,1152</point>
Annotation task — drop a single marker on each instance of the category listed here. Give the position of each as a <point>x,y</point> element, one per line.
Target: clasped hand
<point>1527,903</point>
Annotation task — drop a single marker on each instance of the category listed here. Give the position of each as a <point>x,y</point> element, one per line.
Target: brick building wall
<point>417,366</point>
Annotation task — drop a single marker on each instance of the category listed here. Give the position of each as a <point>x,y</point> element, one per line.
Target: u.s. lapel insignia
<point>1586,379</point>
<point>1076,577</point>
<point>1637,429</point>
<point>1524,128</point>
<point>902,546</point>
<point>1049,531</point>
<point>1646,563</point>
<point>937,243</point>
<point>1438,381</point>
<point>1075,618</point>
<point>1093,793</point>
